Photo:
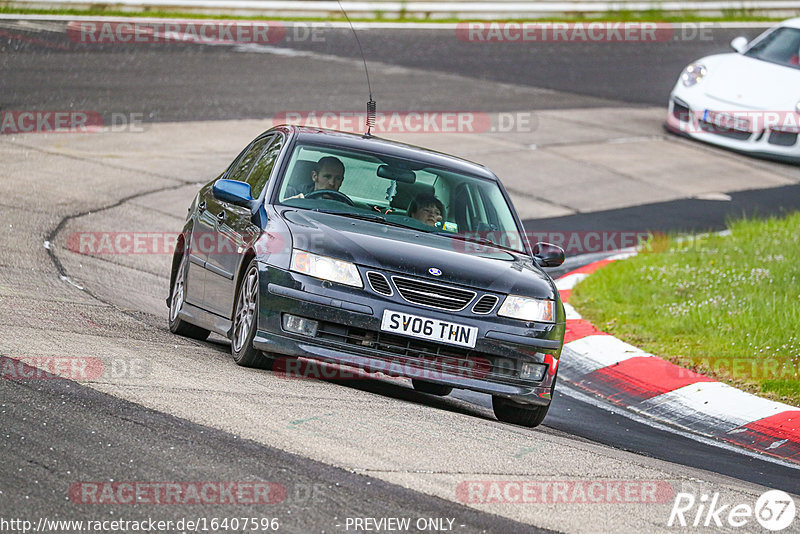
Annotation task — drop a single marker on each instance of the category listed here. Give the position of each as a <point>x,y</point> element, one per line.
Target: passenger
<point>427,209</point>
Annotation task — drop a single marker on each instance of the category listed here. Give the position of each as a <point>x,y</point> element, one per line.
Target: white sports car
<point>747,101</point>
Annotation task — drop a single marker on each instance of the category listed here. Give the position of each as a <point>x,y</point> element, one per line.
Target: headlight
<point>325,268</point>
<point>528,309</point>
<point>693,74</point>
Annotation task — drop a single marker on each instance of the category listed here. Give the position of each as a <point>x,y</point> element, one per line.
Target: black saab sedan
<point>322,246</point>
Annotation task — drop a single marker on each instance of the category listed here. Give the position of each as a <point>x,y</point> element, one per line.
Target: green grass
<point>615,16</point>
<point>725,306</point>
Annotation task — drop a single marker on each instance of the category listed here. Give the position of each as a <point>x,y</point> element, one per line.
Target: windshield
<point>781,46</point>
<point>400,193</point>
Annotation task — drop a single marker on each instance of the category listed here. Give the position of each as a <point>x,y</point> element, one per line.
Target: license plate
<point>426,328</point>
<point>729,122</point>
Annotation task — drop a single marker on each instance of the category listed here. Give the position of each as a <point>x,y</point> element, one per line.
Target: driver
<point>328,174</point>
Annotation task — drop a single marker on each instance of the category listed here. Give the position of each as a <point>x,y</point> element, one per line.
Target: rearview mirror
<point>739,44</point>
<point>393,173</point>
<point>238,193</point>
<point>548,255</point>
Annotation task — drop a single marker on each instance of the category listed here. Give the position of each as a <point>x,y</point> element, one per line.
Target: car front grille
<point>379,283</point>
<point>782,138</point>
<point>404,353</point>
<point>485,304</point>
<point>730,133</point>
<point>433,295</point>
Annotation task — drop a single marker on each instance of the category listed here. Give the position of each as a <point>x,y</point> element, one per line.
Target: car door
<point>197,250</point>
<point>201,240</point>
<point>233,230</point>
<point>239,227</point>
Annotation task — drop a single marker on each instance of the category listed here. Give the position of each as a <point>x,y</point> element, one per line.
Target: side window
<point>232,166</point>
<point>242,167</point>
<point>260,175</point>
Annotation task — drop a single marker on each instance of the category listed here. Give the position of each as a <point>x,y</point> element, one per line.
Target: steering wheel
<point>330,193</point>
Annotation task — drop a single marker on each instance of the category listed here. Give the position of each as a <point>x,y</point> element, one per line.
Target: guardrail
<point>427,10</point>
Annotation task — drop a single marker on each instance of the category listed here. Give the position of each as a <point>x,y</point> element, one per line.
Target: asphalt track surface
<point>89,434</point>
<point>44,69</point>
<point>57,430</point>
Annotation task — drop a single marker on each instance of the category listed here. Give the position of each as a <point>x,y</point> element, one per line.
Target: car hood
<point>745,82</point>
<point>405,251</point>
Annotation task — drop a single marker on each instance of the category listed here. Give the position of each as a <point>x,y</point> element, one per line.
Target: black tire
<point>509,411</point>
<point>176,300</point>
<point>245,321</point>
<point>430,388</point>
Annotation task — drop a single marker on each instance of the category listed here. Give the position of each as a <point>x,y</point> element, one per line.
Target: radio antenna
<point>371,105</point>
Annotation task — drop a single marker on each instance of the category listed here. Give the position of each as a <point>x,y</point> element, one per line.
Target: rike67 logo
<point>774,510</point>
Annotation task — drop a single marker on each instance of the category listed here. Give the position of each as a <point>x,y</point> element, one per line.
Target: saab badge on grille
<point>434,271</point>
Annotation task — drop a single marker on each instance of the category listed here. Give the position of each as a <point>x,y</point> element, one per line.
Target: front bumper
<point>760,137</point>
<point>350,334</point>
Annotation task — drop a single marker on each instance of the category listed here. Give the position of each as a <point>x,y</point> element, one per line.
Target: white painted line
<point>570,391</point>
<point>594,352</point>
<point>695,237</point>
<point>569,281</point>
<point>624,254</point>
<point>275,50</point>
<point>712,405</point>
<point>570,312</point>
<point>635,139</point>
<point>720,197</point>
<point>70,282</point>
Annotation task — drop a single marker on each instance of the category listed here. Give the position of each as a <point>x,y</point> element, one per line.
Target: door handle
<point>221,215</point>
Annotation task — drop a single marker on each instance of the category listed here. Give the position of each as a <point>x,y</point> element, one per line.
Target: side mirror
<point>237,193</point>
<point>548,255</point>
<point>739,44</point>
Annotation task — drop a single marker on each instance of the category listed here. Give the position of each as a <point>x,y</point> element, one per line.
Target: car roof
<point>791,23</point>
<point>344,140</point>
